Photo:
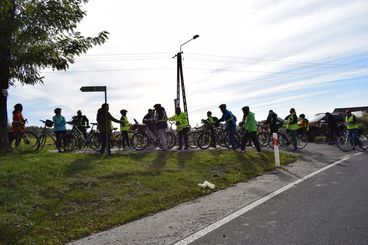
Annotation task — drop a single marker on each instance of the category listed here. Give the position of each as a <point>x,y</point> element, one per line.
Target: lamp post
<point>180,78</point>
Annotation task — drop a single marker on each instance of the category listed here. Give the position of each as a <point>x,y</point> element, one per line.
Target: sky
<point>266,54</point>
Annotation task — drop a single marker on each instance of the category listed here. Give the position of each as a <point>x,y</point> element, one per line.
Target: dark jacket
<point>104,125</point>
<point>160,118</point>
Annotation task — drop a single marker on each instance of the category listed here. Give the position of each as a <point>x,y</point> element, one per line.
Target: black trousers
<point>60,139</point>
<point>125,138</point>
<point>183,135</point>
<point>252,136</point>
<point>103,141</point>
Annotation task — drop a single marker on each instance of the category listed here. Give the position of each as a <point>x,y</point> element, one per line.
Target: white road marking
<point>242,211</point>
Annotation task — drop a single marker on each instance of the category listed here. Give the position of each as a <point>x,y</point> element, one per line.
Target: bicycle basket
<point>141,128</point>
<point>49,123</point>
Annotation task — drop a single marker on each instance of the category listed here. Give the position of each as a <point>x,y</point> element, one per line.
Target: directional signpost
<point>99,89</point>
<point>95,89</point>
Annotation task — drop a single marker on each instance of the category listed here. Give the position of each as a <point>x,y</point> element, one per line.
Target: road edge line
<point>254,204</point>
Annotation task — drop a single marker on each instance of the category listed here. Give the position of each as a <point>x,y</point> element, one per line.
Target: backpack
<point>216,122</point>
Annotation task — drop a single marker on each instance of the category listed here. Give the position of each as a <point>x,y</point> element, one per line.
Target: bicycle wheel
<point>363,142</point>
<point>140,141</point>
<point>94,142</point>
<point>170,139</point>
<point>302,141</point>
<point>344,143</point>
<point>26,141</point>
<point>70,142</point>
<point>41,142</point>
<point>237,141</point>
<point>264,139</point>
<point>204,140</point>
<point>192,139</point>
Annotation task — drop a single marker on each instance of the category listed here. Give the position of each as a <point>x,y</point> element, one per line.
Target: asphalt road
<point>328,208</point>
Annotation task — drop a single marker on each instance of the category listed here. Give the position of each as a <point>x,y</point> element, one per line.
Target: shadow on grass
<point>78,166</point>
<point>159,162</point>
<point>183,157</point>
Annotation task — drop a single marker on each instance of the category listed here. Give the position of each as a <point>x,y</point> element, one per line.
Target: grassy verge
<point>55,198</point>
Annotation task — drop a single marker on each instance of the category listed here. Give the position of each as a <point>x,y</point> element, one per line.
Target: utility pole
<point>180,79</point>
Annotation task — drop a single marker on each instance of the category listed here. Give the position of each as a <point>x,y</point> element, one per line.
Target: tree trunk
<point>4,139</point>
<point>6,26</point>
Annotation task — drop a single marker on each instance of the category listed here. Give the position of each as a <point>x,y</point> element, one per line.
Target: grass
<point>48,198</point>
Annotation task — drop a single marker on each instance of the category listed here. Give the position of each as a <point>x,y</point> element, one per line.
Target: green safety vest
<point>290,124</point>
<point>124,126</point>
<point>250,123</point>
<point>182,119</point>
<point>350,124</point>
<point>210,120</point>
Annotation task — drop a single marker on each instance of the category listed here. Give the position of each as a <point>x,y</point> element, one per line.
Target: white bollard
<point>275,142</point>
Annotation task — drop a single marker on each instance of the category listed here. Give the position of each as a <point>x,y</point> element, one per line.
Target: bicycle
<point>92,140</point>
<point>345,143</point>
<point>285,139</point>
<point>143,137</point>
<point>69,139</point>
<point>23,140</point>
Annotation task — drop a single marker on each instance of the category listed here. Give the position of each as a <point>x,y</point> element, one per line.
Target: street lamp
<point>180,78</point>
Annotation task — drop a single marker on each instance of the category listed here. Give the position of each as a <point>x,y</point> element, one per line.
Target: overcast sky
<point>267,54</point>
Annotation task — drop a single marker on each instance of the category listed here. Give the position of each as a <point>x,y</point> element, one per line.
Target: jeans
<point>233,141</point>
<point>293,134</point>
<point>354,136</point>
<point>161,132</point>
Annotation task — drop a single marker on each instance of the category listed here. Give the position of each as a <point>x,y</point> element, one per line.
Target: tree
<point>35,34</point>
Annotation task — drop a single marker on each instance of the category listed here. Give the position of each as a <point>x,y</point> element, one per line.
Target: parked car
<point>318,124</point>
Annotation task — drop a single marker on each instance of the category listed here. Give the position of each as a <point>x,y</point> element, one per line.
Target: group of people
<point>156,120</point>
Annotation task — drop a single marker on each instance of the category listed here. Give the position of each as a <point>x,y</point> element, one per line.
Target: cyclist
<point>303,124</point>
<point>250,126</point>
<point>332,127</point>
<point>104,119</point>
<point>59,129</point>
<point>81,122</point>
<point>18,124</point>
<point>352,127</point>
<point>149,121</point>
<point>182,126</point>
<point>211,121</point>
<point>160,119</point>
<point>292,127</point>
<point>230,120</point>
<point>124,128</point>
<point>272,122</point>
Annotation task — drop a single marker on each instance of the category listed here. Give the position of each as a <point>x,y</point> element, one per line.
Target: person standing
<point>149,121</point>
<point>292,127</point>
<point>332,127</point>
<point>352,127</point>
<point>18,124</point>
<point>124,128</point>
<point>211,124</point>
<point>272,122</point>
<point>230,120</point>
<point>81,122</point>
<point>160,119</point>
<point>250,126</point>
<point>303,124</point>
<point>59,129</point>
<point>104,119</point>
<point>182,126</point>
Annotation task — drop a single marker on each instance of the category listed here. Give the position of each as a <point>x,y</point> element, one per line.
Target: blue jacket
<point>59,123</point>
